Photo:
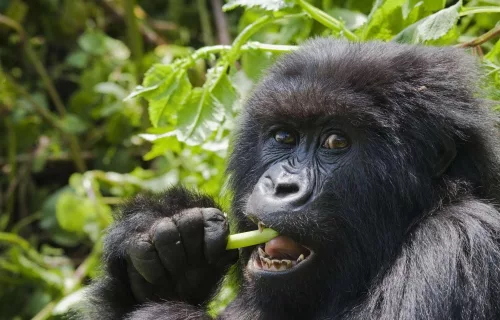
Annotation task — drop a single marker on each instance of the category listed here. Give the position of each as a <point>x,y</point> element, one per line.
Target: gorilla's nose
<point>281,188</point>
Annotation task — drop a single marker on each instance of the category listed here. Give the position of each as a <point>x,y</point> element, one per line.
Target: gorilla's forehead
<point>369,82</point>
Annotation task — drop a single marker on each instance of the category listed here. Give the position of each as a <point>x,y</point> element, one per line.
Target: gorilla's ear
<point>447,154</point>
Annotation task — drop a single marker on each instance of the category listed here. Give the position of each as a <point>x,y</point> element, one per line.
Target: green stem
<point>204,52</point>
<point>473,10</point>
<point>46,312</point>
<point>11,155</point>
<point>243,37</point>
<point>251,238</point>
<point>33,57</point>
<point>16,240</point>
<point>206,25</point>
<point>134,37</point>
<point>273,48</point>
<point>83,269</point>
<point>42,72</point>
<point>26,221</point>
<point>326,20</point>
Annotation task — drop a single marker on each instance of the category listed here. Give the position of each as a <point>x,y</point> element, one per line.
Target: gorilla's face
<point>300,160</point>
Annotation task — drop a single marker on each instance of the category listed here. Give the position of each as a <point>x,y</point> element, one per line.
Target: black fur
<point>405,225</point>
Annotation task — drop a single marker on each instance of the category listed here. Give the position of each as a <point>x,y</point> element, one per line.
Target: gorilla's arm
<point>169,246</point>
<point>450,266</point>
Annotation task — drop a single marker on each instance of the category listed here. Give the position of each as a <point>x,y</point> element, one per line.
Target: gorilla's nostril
<point>283,190</point>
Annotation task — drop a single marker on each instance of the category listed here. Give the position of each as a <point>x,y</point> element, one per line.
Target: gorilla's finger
<point>216,233</point>
<point>145,260</point>
<point>141,289</point>
<point>190,226</point>
<point>168,243</point>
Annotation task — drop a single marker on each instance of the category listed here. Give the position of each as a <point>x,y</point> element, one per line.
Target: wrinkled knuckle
<point>164,230</point>
<point>213,215</point>
<point>139,245</point>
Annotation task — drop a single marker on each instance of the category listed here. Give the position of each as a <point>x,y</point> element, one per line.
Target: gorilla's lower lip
<point>287,259</point>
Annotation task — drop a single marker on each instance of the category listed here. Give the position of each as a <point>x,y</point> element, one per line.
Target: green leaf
<point>111,88</point>
<point>168,98</point>
<point>156,75</point>
<point>73,124</point>
<point>78,59</point>
<point>225,93</point>
<point>201,115</point>
<point>255,63</point>
<point>93,42</point>
<point>73,212</point>
<point>384,19</point>
<point>270,5</point>
<point>431,28</point>
<point>434,5</point>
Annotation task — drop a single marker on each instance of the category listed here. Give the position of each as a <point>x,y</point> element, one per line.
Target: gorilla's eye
<point>285,137</point>
<point>335,141</point>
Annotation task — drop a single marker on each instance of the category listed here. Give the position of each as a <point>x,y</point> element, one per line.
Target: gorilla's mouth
<point>279,254</point>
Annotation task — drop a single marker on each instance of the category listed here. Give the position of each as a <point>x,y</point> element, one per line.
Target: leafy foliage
<point>85,128</point>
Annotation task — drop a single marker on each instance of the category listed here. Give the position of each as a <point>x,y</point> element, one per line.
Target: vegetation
<point>84,125</point>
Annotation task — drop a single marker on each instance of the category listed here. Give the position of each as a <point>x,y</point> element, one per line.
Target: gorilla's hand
<point>182,257</point>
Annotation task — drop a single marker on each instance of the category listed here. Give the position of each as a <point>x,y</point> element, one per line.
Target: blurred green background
<point>100,99</point>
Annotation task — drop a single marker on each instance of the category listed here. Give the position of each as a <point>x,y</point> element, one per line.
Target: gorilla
<point>377,165</point>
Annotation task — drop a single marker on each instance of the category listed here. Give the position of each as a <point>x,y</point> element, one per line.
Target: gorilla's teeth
<point>276,263</point>
<point>267,262</point>
<point>261,226</point>
<point>286,263</point>
<point>300,258</point>
<point>262,253</point>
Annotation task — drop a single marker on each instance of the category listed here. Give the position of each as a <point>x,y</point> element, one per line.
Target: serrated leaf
<point>153,79</point>
<point>168,98</point>
<point>157,75</point>
<point>432,27</point>
<point>200,116</point>
<point>225,93</point>
<point>270,5</point>
<point>182,91</point>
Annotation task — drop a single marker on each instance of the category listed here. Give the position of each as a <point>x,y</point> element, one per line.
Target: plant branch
<point>481,39</point>
<point>326,20</point>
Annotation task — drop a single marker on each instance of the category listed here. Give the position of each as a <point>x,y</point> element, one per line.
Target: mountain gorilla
<point>377,165</point>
